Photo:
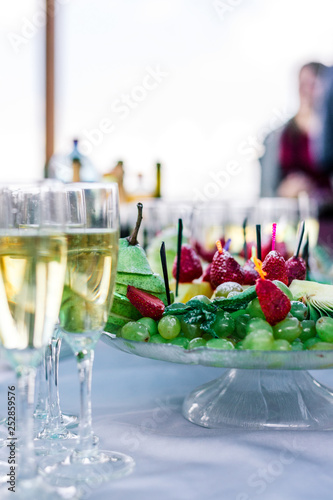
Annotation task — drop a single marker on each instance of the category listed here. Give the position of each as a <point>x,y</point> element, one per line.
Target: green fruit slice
<point>132,259</point>
<point>150,283</point>
<point>318,297</point>
<point>122,306</point>
<point>283,287</point>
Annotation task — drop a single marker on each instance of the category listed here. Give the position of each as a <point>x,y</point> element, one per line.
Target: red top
<point>296,156</point>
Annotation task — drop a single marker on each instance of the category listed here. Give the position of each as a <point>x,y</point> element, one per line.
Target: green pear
<point>133,269</point>
<point>131,257</point>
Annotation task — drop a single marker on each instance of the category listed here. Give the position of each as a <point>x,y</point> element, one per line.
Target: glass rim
<point>90,185</point>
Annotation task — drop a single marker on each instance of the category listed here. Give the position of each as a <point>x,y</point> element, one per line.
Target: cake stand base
<point>261,399</point>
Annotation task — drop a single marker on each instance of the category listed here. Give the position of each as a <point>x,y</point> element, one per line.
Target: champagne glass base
<point>262,399</point>
<point>3,431</point>
<point>70,421</point>
<point>62,442</point>
<point>36,488</point>
<point>86,473</point>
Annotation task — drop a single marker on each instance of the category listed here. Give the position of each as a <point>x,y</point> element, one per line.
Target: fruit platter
<point>264,321</point>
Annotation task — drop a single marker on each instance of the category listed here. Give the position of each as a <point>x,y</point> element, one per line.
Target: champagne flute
<point>92,238</point>
<point>33,253</point>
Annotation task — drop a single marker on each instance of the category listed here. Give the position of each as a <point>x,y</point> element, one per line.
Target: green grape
<point>288,329</point>
<point>241,323</point>
<point>239,345</point>
<point>297,345</point>
<point>190,331</point>
<point>157,339</point>
<point>224,289</point>
<point>197,342</point>
<point>299,310</point>
<point>308,330</point>
<point>223,325</point>
<point>254,309</point>
<point>261,340</point>
<point>240,312</point>
<point>180,341</point>
<point>281,345</point>
<point>169,327</point>
<point>150,323</point>
<point>311,342</point>
<point>324,327</point>
<point>308,327</point>
<point>322,346</point>
<point>258,324</point>
<point>220,344</point>
<point>135,331</point>
<point>207,336</point>
<point>233,294</point>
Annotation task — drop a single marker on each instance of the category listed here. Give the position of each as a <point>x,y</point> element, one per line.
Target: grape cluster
<point>241,329</point>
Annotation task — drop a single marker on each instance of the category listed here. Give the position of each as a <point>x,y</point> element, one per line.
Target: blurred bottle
<point>158,181</point>
<point>76,162</point>
<point>140,192</point>
<point>73,167</point>
<point>117,175</point>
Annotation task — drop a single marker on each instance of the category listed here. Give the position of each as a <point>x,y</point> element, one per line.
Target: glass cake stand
<point>260,390</point>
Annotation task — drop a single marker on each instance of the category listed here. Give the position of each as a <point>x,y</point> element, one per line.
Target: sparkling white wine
<point>32,271</point>
<point>90,276</point>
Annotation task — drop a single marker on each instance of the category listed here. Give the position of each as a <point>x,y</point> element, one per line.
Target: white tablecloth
<point>137,410</point>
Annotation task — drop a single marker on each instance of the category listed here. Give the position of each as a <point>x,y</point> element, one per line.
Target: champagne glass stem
<point>42,402</point>
<point>85,363</point>
<point>55,417</point>
<point>26,386</point>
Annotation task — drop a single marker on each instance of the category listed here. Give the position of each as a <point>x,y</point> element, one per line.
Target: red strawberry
<point>296,269</point>
<point>274,266</point>
<point>206,274</point>
<point>190,265</point>
<point>274,303</point>
<point>225,268</point>
<point>250,274</point>
<point>148,305</point>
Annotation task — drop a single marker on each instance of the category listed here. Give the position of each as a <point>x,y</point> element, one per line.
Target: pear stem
<point>133,239</point>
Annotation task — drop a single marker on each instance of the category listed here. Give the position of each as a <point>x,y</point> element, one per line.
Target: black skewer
<point>179,251</point>
<point>165,272</point>
<point>244,236</point>
<point>258,232</point>
<point>300,238</point>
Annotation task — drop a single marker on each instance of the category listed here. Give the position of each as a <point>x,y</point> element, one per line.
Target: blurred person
<point>325,143</point>
<point>290,164</point>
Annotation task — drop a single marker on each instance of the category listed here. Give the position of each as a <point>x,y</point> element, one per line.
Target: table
<point>137,410</point>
